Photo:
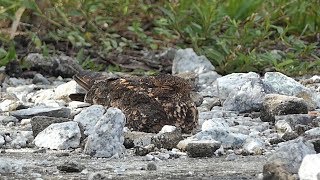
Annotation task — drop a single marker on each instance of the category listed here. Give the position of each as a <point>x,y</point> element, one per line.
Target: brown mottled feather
<point>149,103</point>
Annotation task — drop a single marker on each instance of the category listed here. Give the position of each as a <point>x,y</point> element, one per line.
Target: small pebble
<point>151,166</point>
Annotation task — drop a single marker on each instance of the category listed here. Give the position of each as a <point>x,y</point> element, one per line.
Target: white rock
<point>89,117</point>
<point>21,91</point>
<point>64,90</point>
<point>9,105</point>
<point>59,136</point>
<point>107,138</point>
<point>215,123</point>
<point>186,60</point>
<point>310,167</point>
<point>167,128</point>
<point>42,95</point>
<point>254,145</point>
<point>78,104</point>
<point>282,126</point>
<point>315,132</point>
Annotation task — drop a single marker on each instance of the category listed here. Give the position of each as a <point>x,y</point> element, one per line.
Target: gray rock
<point>228,140</point>
<point>7,119</point>
<point>41,111</point>
<point>233,83</point>
<point>309,169</point>
<point>10,166</point>
<point>281,84</point>
<point>70,167</point>
<point>202,148</point>
<point>291,153</point>
<point>107,138</point>
<point>39,123</point>
<point>277,171</point>
<point>39,78</point>
<point>207,79</point>
<point>89,117</point>
<point>167,138</point>
<point>97,176</point>
<point>62,65</point>
<point>142,151</point>
<point>59,136</point>
<point>186,60</point>
<point>315,132</point>
<point>64,90</point>
<point>137,139</point>
<point>275,104</point>
<point>151,166</point>
<point>21,139</point>
<point>248,98</point>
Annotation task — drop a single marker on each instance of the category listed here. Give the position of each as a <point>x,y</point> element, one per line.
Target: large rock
<point>39,123</point>
<point>137,139</point>
<point>247,99</point>
<point>186,60</point>
<point>309,169</point>
<point>62,65</point>
<point>59,136</point>
<point>89,117</point>
<point>291,154</point>
<point>167,139</point>
<point>275,104</point>
<point>233,83</point>
<point>107,138</point>
<point>279,83</point>
<point>41,111</point>
<point>227,139</point>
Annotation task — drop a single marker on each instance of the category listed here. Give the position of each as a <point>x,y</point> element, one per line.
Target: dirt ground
<point>132,167</point>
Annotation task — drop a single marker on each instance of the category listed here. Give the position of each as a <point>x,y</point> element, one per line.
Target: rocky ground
<point>250,127</point>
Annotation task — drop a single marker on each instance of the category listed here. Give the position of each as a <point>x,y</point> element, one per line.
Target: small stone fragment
<point>151,166</point>
<point>70,167</point>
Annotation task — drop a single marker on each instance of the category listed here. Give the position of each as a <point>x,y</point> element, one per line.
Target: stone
<point>309,169</point>
<point>314,132</point>
<point>291,153</point>
<point>107,139</point>
<point>279,83</point>
<point>276,171</point>
<point>151,166</point>
<point>233,83</point>
<point>39,78</point>
<point>186,60</point>
<point>39,123</point>
<point>137,139</point>
<point>2,141</point>
<point>59,136</point>
<point>60,65</point>
<point>254,146</point>
<point>42,95</point>
<point>275,104</point>
<point>215,123</point>
<point>97,176</point>
<point>202,148</point>
<point>167,138</point>
<point>22,91</point>
<point>206,80</point>
<point>4,120</point>
<point>78,104</point>
<point>21,139</point>
<point>70,167</point>
<point>41,111</point>
<point>89,117</point>
<point>228,140</point>
<point>248,98</point>
<point>8,102</point>
<point>10,166</point>
<point>64,90</point>
<point>142,151</point>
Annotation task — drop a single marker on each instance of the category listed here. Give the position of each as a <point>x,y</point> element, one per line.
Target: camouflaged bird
<point>149,103</point>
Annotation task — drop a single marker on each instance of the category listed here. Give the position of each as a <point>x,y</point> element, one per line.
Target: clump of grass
<point>236,35</point>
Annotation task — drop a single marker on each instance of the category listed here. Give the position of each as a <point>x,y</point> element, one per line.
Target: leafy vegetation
<point>236,35</point>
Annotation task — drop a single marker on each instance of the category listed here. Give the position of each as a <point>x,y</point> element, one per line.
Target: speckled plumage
<point>149,103</point>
